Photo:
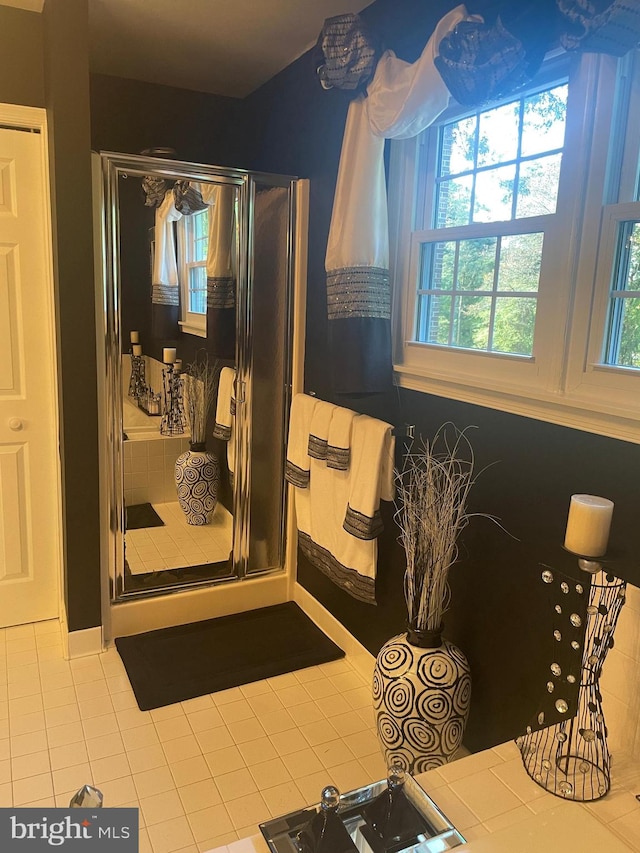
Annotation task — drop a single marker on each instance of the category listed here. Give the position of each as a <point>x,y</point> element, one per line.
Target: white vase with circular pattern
<point>421,696</point>
<point>197,475</point>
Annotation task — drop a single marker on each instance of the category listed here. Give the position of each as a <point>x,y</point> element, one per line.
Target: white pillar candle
<point>137,349</point>
<point>169,355</point>
<point>135,337</point>
<point>588,525</point>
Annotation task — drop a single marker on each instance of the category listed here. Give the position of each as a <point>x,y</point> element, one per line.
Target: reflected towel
<point>225,416</point>
<point>224,406</point>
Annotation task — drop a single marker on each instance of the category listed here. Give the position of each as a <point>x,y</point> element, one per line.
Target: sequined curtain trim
<point>221,292</point>
<point>358,292</point>
<point>165,294</point>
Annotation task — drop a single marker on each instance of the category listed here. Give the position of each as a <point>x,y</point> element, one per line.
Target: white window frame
<point>191,322</point>
<point>563,381</point>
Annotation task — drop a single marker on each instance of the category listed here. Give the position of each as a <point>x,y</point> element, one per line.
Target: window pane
<point>457,146</point>
<point>471,317</point>
<point>538,186</point>
<point>494,194</point>
<point>628,328</point>
<point>513,325</point>
<point>544,121</point>
<point>200,235</point>
<point>454,202</point>
<point>476,264</point>
<point>628,272</point>
<point>498,137</point>
<point>434,314</point>
<point>198,290</point>
<point>622,347</point>
<point>520,257</point>
<point>438,262</point>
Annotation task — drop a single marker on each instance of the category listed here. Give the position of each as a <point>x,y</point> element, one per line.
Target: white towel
<point>225,415</point>
<point>349,561</point>
<point>339,441</point>
<point>165,267</point>
<point>297,465</point>
<point>372,478</point>
<point>319,429</point>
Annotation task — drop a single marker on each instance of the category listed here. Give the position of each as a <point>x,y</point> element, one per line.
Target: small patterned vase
<point>197,474</point>
<point>421,696</point>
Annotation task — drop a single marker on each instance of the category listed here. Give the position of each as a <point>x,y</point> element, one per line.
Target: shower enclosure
<point>242,320</point>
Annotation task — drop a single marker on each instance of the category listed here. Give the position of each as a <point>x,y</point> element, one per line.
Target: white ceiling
<point>227,47</point>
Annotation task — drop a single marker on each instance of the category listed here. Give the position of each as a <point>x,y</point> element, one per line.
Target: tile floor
<point>202,772</point>
<point>178,544</point>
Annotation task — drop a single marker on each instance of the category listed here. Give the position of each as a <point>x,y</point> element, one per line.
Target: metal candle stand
<point>138,381</point>
<point>571,758</point>
<point>173,420</point>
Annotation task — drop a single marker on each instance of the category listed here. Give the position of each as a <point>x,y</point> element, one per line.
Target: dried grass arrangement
<point>200,384</point>
<point>431,510</point>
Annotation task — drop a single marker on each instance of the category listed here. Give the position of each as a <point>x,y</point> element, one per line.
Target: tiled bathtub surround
<point>149,465</point>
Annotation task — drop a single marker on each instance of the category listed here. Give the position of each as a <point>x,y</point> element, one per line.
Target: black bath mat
<point>175,664</point>
<point>142,515</point>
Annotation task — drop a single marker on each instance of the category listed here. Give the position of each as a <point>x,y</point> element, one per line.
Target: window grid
<point>622,297</point>
<point>445,177</point>
<point>197,240</point>
<point>587,321</point>
<point>428,308</point>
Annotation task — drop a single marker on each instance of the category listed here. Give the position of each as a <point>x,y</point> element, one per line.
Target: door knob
<point>15,424</point>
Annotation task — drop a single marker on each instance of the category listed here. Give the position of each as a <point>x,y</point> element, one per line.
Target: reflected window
<point>193,240</point>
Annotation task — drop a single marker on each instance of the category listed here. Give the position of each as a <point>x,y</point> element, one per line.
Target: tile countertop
<point>490,799</point>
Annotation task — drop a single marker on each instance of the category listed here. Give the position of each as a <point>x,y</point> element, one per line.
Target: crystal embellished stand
<point>173,420</point>
<point>571,758</point>
<point>138,381</point>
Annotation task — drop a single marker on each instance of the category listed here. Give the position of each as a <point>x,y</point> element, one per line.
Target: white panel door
<point>29,468</point>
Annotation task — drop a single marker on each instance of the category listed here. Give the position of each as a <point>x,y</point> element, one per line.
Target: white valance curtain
<point>220,276</point>
<point>402,100</point>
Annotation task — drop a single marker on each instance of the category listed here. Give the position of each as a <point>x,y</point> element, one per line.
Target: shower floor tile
<point>204,772</point>
<point>178,544</point>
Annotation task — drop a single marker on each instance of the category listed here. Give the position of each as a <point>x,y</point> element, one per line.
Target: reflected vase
<point>197,475</point>
<point>421,697</point>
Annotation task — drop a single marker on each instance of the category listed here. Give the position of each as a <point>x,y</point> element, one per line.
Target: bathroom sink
<point>434,833</point>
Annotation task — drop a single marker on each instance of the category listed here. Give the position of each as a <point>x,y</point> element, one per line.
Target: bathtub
<point>136,422</point>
